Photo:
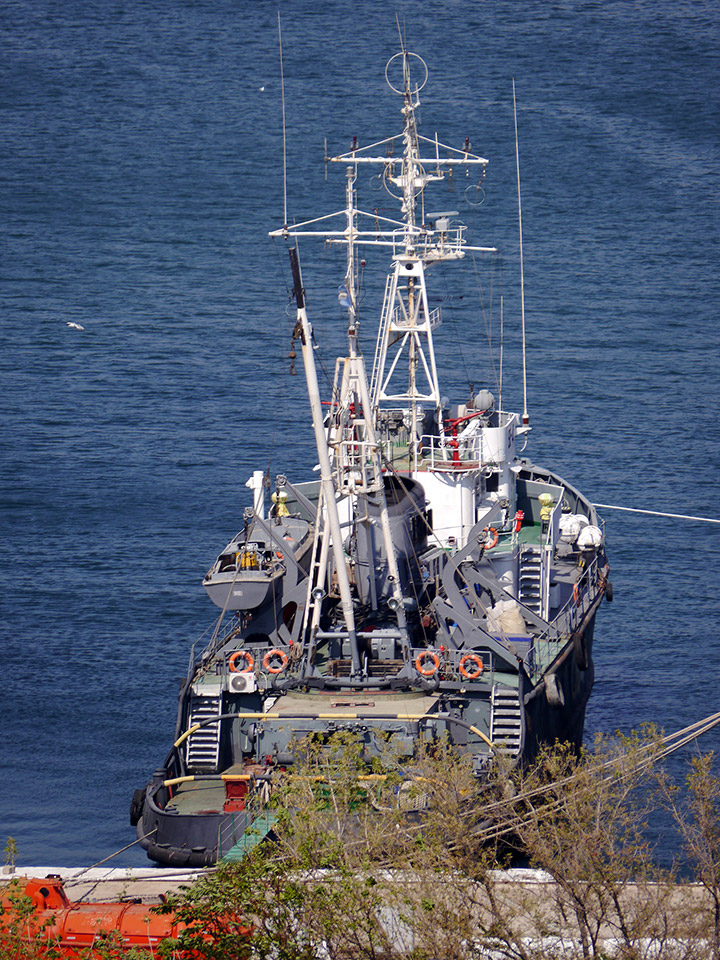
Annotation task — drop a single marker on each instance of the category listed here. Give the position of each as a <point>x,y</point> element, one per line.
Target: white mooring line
<point>656,513</point>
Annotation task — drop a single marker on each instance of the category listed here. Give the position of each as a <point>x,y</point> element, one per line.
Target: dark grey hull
<point>560,716</point>
<point>191,840</point>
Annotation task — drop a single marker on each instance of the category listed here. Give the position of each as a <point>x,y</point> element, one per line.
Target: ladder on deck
<point>506,720</point>
<point>203,746</point>
<point>387,310</point>
<point>317,574</point>
<point>530,589</point>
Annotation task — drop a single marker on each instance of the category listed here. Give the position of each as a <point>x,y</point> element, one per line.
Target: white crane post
<point>324,460</point>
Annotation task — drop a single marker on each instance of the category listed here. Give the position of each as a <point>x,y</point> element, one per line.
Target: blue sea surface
<point>140,172</point>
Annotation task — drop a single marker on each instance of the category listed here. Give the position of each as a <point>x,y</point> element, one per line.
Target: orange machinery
<point>72,928</point>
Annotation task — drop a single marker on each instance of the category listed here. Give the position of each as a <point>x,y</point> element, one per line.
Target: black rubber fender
<point>176,857</point>
<point>608,591</point>
<point>554,692</point>
<point>581,657</point>
<point>136,806</point>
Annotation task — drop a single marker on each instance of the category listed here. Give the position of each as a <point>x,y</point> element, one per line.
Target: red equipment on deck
<point>74,927</point>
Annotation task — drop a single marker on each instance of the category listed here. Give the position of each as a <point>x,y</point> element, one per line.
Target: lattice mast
<point>405,338</point>
<point>347,442</point>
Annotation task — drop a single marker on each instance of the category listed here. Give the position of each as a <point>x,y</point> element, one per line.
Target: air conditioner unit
<point>241,683</point>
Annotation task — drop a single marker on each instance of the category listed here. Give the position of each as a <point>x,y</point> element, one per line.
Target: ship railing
<point>571,615</point>
<point>191,661</point>
<point>452,453</point>
<point>353,465</point>
<point>431,245</point>
<point>461,665</point>
<point>239,823</point>
<point>401,323</point>
<point>214,637</point>
<point>584,594</point>
<point>257,663</point>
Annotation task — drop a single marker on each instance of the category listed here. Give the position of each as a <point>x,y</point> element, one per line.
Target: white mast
<point>328,489</point>
<point>348,449</point>
<point>406,318</point>
<point>352,432</point>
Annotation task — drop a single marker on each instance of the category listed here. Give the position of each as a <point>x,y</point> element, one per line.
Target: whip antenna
<point>501,355</point>
<point>282,97</point>
<point>525,417</point>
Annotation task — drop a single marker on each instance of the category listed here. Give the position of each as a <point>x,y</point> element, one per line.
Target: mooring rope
<point>656,513</point>
<point>671,743</point>
<point>76,878</point>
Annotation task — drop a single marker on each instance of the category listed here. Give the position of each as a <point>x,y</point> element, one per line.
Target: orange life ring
<point>420,663</point>
<point>241,655</point>
<point>476,661</point>
<point>576,594</point>
<point>275,653</point>
<point>495,536</point>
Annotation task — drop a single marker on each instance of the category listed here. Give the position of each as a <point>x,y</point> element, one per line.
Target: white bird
<point>74,326</point>
<point>261,89</point>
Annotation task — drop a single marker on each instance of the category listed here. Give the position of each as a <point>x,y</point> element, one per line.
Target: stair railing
<point>567,621</point>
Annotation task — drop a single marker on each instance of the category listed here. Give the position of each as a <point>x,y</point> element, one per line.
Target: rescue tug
<point>431,582</point>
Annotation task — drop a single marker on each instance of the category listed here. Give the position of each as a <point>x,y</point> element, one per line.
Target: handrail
<point>191,662</point>
<point>449,659</point>
<point>272,716</point>
<point>217,639</point>
<point>228,836</point>
<point>453,453</point>
<point>577,606</point>
<point>569,617</point>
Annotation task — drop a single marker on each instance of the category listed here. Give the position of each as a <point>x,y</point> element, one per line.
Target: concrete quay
<point>110,884</point>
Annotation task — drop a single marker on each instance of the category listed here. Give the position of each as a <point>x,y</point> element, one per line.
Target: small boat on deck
<point>260,560</point>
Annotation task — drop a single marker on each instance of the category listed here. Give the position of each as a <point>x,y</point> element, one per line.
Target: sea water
<point>140,171</point>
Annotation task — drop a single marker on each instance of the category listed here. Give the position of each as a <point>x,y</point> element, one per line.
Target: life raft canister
<point>242,655</point>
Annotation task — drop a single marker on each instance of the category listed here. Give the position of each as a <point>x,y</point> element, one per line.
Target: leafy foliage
<point>400,859</point>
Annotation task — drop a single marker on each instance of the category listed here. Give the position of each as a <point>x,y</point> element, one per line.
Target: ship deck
<point>530,534</point>
<point>198,796</point>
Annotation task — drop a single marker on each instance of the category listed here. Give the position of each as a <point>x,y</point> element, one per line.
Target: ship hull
<point>555,712</point>
<point>198,839</point>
